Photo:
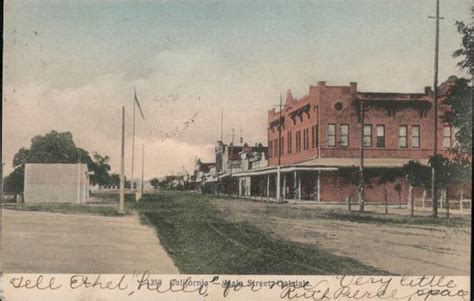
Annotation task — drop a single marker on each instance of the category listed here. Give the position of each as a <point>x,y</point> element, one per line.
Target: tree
<point>460,97</point>
<point>155,183</point>
<point>54,147</point>
<point>101,169</point>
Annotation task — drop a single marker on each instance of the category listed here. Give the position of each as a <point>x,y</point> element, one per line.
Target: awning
<point>328,164</point>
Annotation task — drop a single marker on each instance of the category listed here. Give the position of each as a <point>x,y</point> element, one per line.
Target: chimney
<point>428,90</point>
<point>353,87</point>
<point>322,83</point>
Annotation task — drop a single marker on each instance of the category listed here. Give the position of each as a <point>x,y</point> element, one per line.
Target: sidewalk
<point>45,242</point>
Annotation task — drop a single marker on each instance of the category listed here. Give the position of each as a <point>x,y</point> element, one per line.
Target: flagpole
<point>143,168</point>
<point>133,144</point>
<point>122,155</point>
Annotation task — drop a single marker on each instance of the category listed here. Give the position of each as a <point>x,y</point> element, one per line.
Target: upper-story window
<point>344,135</point>
<point>447,137</point>
<point>282,146</point>
<point>380,132</point>
<point>367,135</point>
<point>402,136</point>
<point>275,147</point>
<point>314,136</point>
<point>288,136</point>
<point>270,149</point>
<point>298,141</point>
<point>331,135</point>
<point>306,138</point>
<point>415,136</point>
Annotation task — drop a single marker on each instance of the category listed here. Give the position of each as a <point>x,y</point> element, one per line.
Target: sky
<point>71,65</point>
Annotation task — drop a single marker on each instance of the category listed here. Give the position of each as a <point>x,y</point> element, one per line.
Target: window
<point>315,136</point>
<point>282,146</point>
<point>306,138</point>
<point>331,135</point>
<point>275,147</point>
<point>298,141</point>
<point>344,135</point>
<point>270,149</point>
<point>380,132</point>
<point>446,137</point>
<point>367,135</point>
<point>415,136</point>
<point>338,106</point>
<point>402,136</point>
<point>288,139</point>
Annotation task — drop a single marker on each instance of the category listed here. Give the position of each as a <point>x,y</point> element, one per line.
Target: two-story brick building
<point>322,134</point>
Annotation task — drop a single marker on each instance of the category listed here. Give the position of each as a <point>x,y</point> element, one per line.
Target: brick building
<point>322,134</point>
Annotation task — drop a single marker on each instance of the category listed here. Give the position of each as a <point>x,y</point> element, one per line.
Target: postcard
<point>236,150</point>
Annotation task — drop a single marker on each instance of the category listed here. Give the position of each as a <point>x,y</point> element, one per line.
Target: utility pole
<point>230,160</point>
<point>361,167</point>
<point>132,182</point>
<point>280,148</point>
<point>122,162</point>
<point>434,188</point>
<point>143,168</point>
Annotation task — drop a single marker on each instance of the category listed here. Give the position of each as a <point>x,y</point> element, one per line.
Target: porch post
<point>284,187</point>
<point>295,183</point>
<point>278,185</point>
<point>318,192</point>
<point>240,186</point>
<point>299,188</point>
<point>268,186</point>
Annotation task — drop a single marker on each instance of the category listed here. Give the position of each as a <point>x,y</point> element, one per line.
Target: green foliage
<point>101,169</point>
<point>449,171</point>
<point>155,183</point>
<point>417,174</point>
<point>460,97</point>
<point>55,147</point>
<point>466,52</point>
<point>14,182</point>
<point>460,116</point>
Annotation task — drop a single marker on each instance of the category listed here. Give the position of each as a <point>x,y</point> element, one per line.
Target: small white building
<point>56,183</point>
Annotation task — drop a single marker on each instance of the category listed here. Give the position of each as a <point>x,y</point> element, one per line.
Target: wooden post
<point>299,188</point>
<point>284,187</point>
<point>385,198</point>
<point>461,195</point>
<point>318,192</point>
<point>412,195</point>
<point>143,170</point>
<point>268,187</point>
<point>295,185</point>
<point>278,178</point>
<point>349,203</point>
<point>423,199</point>
<point>122,156</point>
<point>447,202</point>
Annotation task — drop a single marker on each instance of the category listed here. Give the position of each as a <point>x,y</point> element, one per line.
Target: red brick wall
<point>324,98</point>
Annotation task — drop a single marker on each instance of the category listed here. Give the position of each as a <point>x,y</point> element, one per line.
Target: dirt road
<point>46,242</point>
<point>399,249</point>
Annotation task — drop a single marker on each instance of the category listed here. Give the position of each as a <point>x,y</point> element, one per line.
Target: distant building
<point>56,183</point>
<point>232,159</point>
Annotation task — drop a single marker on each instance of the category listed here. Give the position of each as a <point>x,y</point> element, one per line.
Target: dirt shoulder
<point>413,249</point>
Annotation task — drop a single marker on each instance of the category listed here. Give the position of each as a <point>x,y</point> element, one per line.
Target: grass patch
<point>365,217</point>
<point>201,241</point>
<point>65,208</point>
